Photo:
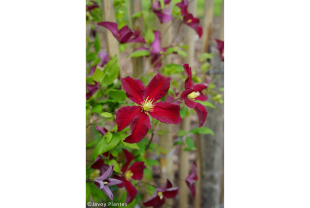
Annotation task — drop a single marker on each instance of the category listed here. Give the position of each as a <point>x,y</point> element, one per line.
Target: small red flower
<point>164,15</point>
<point>92,89</point>
<point>183,6</point>
<point>135,171</point>
<point>158,198</point>
<point>220,48</point>
<point>137,116</point>
<point>124,35</point>
<point>192,93</point>
<point>191,178</point>
<point>92,7</point>
<point>193,22</point>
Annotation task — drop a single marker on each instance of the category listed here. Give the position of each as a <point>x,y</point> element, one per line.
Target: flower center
<point>193,95</point>
<point>147,105</point>
<point>128,174</point>
<point>189,21</point>
<point>104,182</point>
<point>160,194</point>
<point>94,175</point>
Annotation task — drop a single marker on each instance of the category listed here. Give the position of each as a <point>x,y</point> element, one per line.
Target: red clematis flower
<point>124,35</point>
<point>183,6</point>
<point>135,171</point>
<point>192,93</point>
<point>99,164</point>
<point>164,15</point>
<point>158,198</point>
<point>137,116</point>
<point>92,89</point>
<point>191,178</point>
<point>220,48</point>
<point>193,22</point>
<point>104,181</point>
<point>92,7</point>
<point>103,61</point>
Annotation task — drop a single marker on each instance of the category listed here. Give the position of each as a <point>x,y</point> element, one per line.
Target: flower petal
<point>199,88</point>
<point>128,158</point>
<point>107,174</point>
<point>112,26</point>
<point>131,191</point>
<point>134,89</point>
<point>171,192</point>
<point>188,102</point>
<point>136,38</point>
<point>157,88</point>
<point>121,178</point>
<point>183,6</point>
<point>124,34</point>
<point>156,61</point>
<point>98,184</point>
<point>126,115</point>
<point>101,130</point>
<point>139,128</point>
<point>166,112</point>
<point>191,186</point>
<point>137,170</point>
<point>155,45</point>
<point>201,113</point>
<point>113,181</point>
<point>98,163</point>
<point>108,192</point>
<point>164,16</point>
<point>193,176</point>
<point>151,201</point>
<point>167,185</point>
<point>189,80</point>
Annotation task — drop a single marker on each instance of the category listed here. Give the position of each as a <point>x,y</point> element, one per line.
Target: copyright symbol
<point>88,203</point>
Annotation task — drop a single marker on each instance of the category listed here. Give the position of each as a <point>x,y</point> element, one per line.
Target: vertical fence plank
<point>207,25</point>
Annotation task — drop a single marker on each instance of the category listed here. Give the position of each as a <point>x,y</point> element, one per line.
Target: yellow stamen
<point>94,175</point>
<point>189,21</point>
<point>147,105</point>
<point>104,182</point>
<point>160,194</point>
<point>193,95</point>
<point>128,174</point>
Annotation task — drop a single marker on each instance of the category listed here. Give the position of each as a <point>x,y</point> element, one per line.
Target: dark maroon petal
<point>137,170</point>
<point>107,174</point>
<point>109,156</point>
<point>189,80</point>
<point>220,47</point>
<point>131,191</point>
<point>92,70</point>
<point>201,113</point>
<point>101,130</point>
<point>156,61</point>
<point>155,45</point>
<point>128,158</point>
<point>126,115</point>
<point>164,16</point>
<point>171,192</point>
<point>98,163</point>
<point>134,89</point>
<point>188,102</point>
<point>199,31</point>
<point>191,186</point>
<point>124,34</point>
<point>92,7</point>
<point>199,87</point>
<point>159,202</point>
<point>92,89</point>
<point>157,88</point>
<point>167,185</point>
<point>112,26</point>
<point>193,176</point>
<point>113,181</point>
<point>121,178</point>
<point>183,6</point>
<point>108,192</point>
<point>166,112</point>
<point>136,38</point>
<point>201,97</point>
<point>139,128</point>
<point>152,200</point>
<point>167,1</point>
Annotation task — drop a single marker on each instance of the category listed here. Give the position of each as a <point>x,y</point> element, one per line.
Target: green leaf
<point>147,172</point>
<point>182,133</point>
<point>118,94</point>
<point>98,75</point>
<point>123,47</point>
<point>110,72</point>
<point>90,57</point>
<point>140,53</point>
<point>184,112</point>
<point>103,146</point>
<point>149,36</point>
<point>201,130</point>
<point>182,53</point>
<point>132,146</point>
<point>97,193</point>
<point>88,191</point>
<point>150,189</point>
<point>221,89</point>
<point>97,109</point>
<point>172,69</point>
<point>106,115</point>
<point>178,142</point>
<point>205,56</point>
<point>196,79</point>
<point>97,43</point>
<point>108,137</point>
<point>206,103</point>
<point>116,165</point>
<point>205,67</point>
<point>190,144</point>
<point>137,15</point>
<point>151,162</point>
<point>91,143</point>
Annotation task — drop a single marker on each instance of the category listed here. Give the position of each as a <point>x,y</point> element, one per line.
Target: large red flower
<point>192,93</point>
<point>158,198</point>
<point>146,99</point>
<point>135,171</point>
<point>220,48</point>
